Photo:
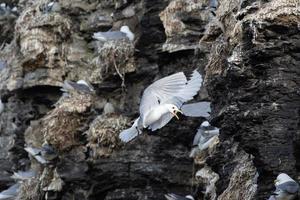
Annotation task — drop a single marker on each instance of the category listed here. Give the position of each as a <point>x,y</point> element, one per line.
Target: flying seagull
<point>286,188</point>
<point>161,102</point>
<point>114,35</point>
<point>204,137</point>
<point>172,196</point>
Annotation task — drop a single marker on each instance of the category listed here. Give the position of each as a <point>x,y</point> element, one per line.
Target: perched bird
<point>114,35</point>
<point>1,106</point>
<point>10,193</point>
<point>172,196</point>
<point>4,9</point>
<point>199,109</point>
<point>204,137</point>
<point>51,7</point>
<point>3,64</point>
<point>161,102</point>
<point>286,188</point>
<point>213,4</point>
<point>36,153</point>
<point>14,9</point>
<point>54,6</point>
<point>81,86</point>
<point>48,152</point>
<point>108,108</point>
<point>44,155</point>
<point>23,175</point>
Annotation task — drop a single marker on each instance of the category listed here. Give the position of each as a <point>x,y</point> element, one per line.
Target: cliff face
<point>247,52</point>
<point>260,74</point>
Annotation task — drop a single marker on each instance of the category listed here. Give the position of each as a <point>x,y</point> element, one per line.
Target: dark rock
<point>247,52</point>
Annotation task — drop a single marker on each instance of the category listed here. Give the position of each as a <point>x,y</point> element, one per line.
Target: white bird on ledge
<point>114,35</point>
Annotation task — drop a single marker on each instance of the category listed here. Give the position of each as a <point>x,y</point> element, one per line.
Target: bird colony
<point>120,110</point>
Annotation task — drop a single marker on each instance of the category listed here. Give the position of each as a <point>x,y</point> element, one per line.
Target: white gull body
<point>204,138</point>
<point>1,106</point>
<point>286,188</point>
<point>80,85</point>
<point>160,102</point>
<point>115,35</point>
<point>172,196</point>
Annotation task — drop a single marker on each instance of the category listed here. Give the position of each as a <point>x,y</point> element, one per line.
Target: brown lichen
<point>103,134</point>
<point>29,190</point>
<point>75,102</point>
<point>60,128</point>
<point>116,57</point>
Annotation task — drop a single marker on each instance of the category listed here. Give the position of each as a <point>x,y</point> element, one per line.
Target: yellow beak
<point>180,111</point>
<point>175,113</point>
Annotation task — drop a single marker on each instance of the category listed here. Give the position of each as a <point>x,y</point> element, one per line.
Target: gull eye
<point>173,107</point>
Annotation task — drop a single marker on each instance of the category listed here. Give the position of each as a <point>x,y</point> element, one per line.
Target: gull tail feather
<point>130,133</point>
<point>99,36</point>
<point>194,152</point>
<point>66,86</point>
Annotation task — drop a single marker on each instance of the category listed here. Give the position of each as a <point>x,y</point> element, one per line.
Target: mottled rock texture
<point>258,67</point>
<point>247,51</point>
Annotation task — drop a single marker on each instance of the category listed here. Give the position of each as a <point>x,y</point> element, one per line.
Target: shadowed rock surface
<point>247,52</point>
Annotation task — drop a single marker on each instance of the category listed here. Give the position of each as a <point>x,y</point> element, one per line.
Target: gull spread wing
<point>160,91</point>
<point>174,89</point>
<point>199,109</point>
<point>190,90</point>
